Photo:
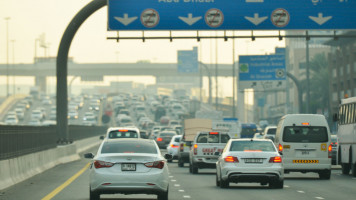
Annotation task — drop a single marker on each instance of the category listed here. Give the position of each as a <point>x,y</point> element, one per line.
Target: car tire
<point>224,184</point>
<point>163,195</point>
<point>278,184</point>
<point>195,169</point>
<point>325,175</point>
<point>190,168</point>
<point>94,195</point>
<point>217,180</point>
<point>180,163</point>
<point>345,168</point>
<point>170,160</point>
<point>353,169</point>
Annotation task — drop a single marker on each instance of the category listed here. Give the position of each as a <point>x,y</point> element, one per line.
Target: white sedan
<point>128,166</point>
<point>251,161</point>
<point>173,147</point>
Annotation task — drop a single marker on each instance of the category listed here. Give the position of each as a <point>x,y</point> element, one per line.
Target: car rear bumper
<point>253,174</point>
<point>252,178</point>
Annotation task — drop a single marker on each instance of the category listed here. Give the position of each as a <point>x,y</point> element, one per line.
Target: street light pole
<point>216,76</point>
<point>13,65</point>
<point>233,78</point>
<point>307,74</point>
<point>7,55</point>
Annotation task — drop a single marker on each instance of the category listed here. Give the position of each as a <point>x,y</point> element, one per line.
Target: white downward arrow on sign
<point>256,20</point>
<point>190,20</point>
<point>320,19</point>
<point>126,20</point>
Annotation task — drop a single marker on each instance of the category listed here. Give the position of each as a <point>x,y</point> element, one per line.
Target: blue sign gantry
<point>231,14</point>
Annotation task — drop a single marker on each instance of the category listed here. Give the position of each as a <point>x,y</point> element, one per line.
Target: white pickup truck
<point>206,149</point>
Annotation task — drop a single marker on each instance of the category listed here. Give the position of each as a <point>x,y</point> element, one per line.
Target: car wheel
<point>94,195</point>
<point>278,184</point>
<point>180,163</point>
<point>217,180</point>
<point>190,168</point>
<point>325,175</point>
<point>345,168</point>
<point>169,160</point>
<point>194,169</point>
<point>353,169</point>
<point>224,184</point>
<point>163,195</point>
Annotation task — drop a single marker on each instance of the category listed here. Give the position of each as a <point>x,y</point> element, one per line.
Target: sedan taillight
<point>102,164</point>
<point>231,159</point>
<point>276,159</point>
<point>155,164</point>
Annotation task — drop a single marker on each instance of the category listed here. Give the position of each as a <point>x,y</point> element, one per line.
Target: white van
<point>304,140</point>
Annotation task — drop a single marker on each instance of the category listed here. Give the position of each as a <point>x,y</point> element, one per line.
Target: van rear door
<point>306,145</point>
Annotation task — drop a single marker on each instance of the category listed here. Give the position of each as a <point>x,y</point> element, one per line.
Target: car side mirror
<point>217,153</point>
<point>168,156</point>
<point>281,153</point>
<point>89,155</point>
<point>101,137</point>
<point>188,143</point>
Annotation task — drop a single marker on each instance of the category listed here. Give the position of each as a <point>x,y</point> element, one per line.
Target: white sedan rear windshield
<point>262,146</point>
<point>129,147</point>
<point>123,134</point>
<point>305,134</point>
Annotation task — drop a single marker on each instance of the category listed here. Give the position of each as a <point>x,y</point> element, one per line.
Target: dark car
<point>164,138</point>
<point>334,145</point>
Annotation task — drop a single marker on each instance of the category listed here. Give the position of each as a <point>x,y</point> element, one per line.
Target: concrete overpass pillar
<point>41,83</point>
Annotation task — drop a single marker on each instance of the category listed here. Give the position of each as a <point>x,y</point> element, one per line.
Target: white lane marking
<point>286,186</point>
<point>173,180</point>
<point>176,185</point>
<point>301,191</point>
<point>319,197</point>
<point>171,176</point>
<point>354,178</point>
<point>186,197</point>
<point>181,190</point>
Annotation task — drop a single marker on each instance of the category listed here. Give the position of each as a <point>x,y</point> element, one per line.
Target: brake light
<point>280,148</point>
<point>195,149</point>
<point>155,164</point>
<point>276,159</point>
<point>213,133</point>
<point>330,148</point>
<point>174,146</point>
<point>102,164</point>
<point>305,124</point>
<point>159,139</point>
<point>123,130</point>
<point>231,159</point>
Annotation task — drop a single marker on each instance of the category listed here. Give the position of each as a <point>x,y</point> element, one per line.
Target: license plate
<point>128,167</point>
<point>306,161</point>
<point>253,160</point>
<point>305,152</point>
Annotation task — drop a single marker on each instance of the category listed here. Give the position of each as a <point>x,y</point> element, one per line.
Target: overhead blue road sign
<point>230,14</point>
<point>188,61</point>
<point>262,71</point>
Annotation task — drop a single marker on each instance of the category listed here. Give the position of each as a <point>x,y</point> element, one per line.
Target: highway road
<point>70,182</point>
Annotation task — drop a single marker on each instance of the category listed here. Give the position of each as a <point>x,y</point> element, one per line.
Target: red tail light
<point>156,164</point>
<point>174,146</point>
<point>280,148</point>
<point>231,159</point>
<point>102,164</point>
<point>195,149</point>
<point>330,148</point>
<point>159,139</point>
<point>213,133</point>
<point>276,159</point>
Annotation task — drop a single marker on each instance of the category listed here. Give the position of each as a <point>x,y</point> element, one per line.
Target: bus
<point>346,119</point>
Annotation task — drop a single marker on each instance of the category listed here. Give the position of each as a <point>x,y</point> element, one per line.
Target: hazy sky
<point>31,18</point>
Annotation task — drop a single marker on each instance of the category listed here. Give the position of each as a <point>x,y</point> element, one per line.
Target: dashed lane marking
<point>171,176</point>
<point>301,191</point>
<point>319,197</point>
<point>180,190</point>
<point>173,180</point>
<point>286,186</point>
<point>176,185</point>
<point>186,197</point>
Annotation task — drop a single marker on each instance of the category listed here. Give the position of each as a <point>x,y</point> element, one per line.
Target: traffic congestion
<point>153,141</point>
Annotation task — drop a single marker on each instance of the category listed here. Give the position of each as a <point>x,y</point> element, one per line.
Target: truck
<point>190,128</point>
<point>206,149</point>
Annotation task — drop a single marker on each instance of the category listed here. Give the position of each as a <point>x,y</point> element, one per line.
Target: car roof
<point>120,128</point>
<point>124,140</point>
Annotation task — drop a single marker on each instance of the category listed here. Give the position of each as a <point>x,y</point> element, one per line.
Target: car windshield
<point>213,138</point>
<point>123,134</point>
<point>167,134</point>
<point>252,145</point>
<point>271,131</point>
<point>129,147</point>
<point>305,134</point>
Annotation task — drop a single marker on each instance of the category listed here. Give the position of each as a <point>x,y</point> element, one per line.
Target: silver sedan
<point>250,160</point>
<point>128,166</point>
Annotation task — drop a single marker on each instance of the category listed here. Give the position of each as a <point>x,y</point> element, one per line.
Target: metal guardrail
<point>21,140</point>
